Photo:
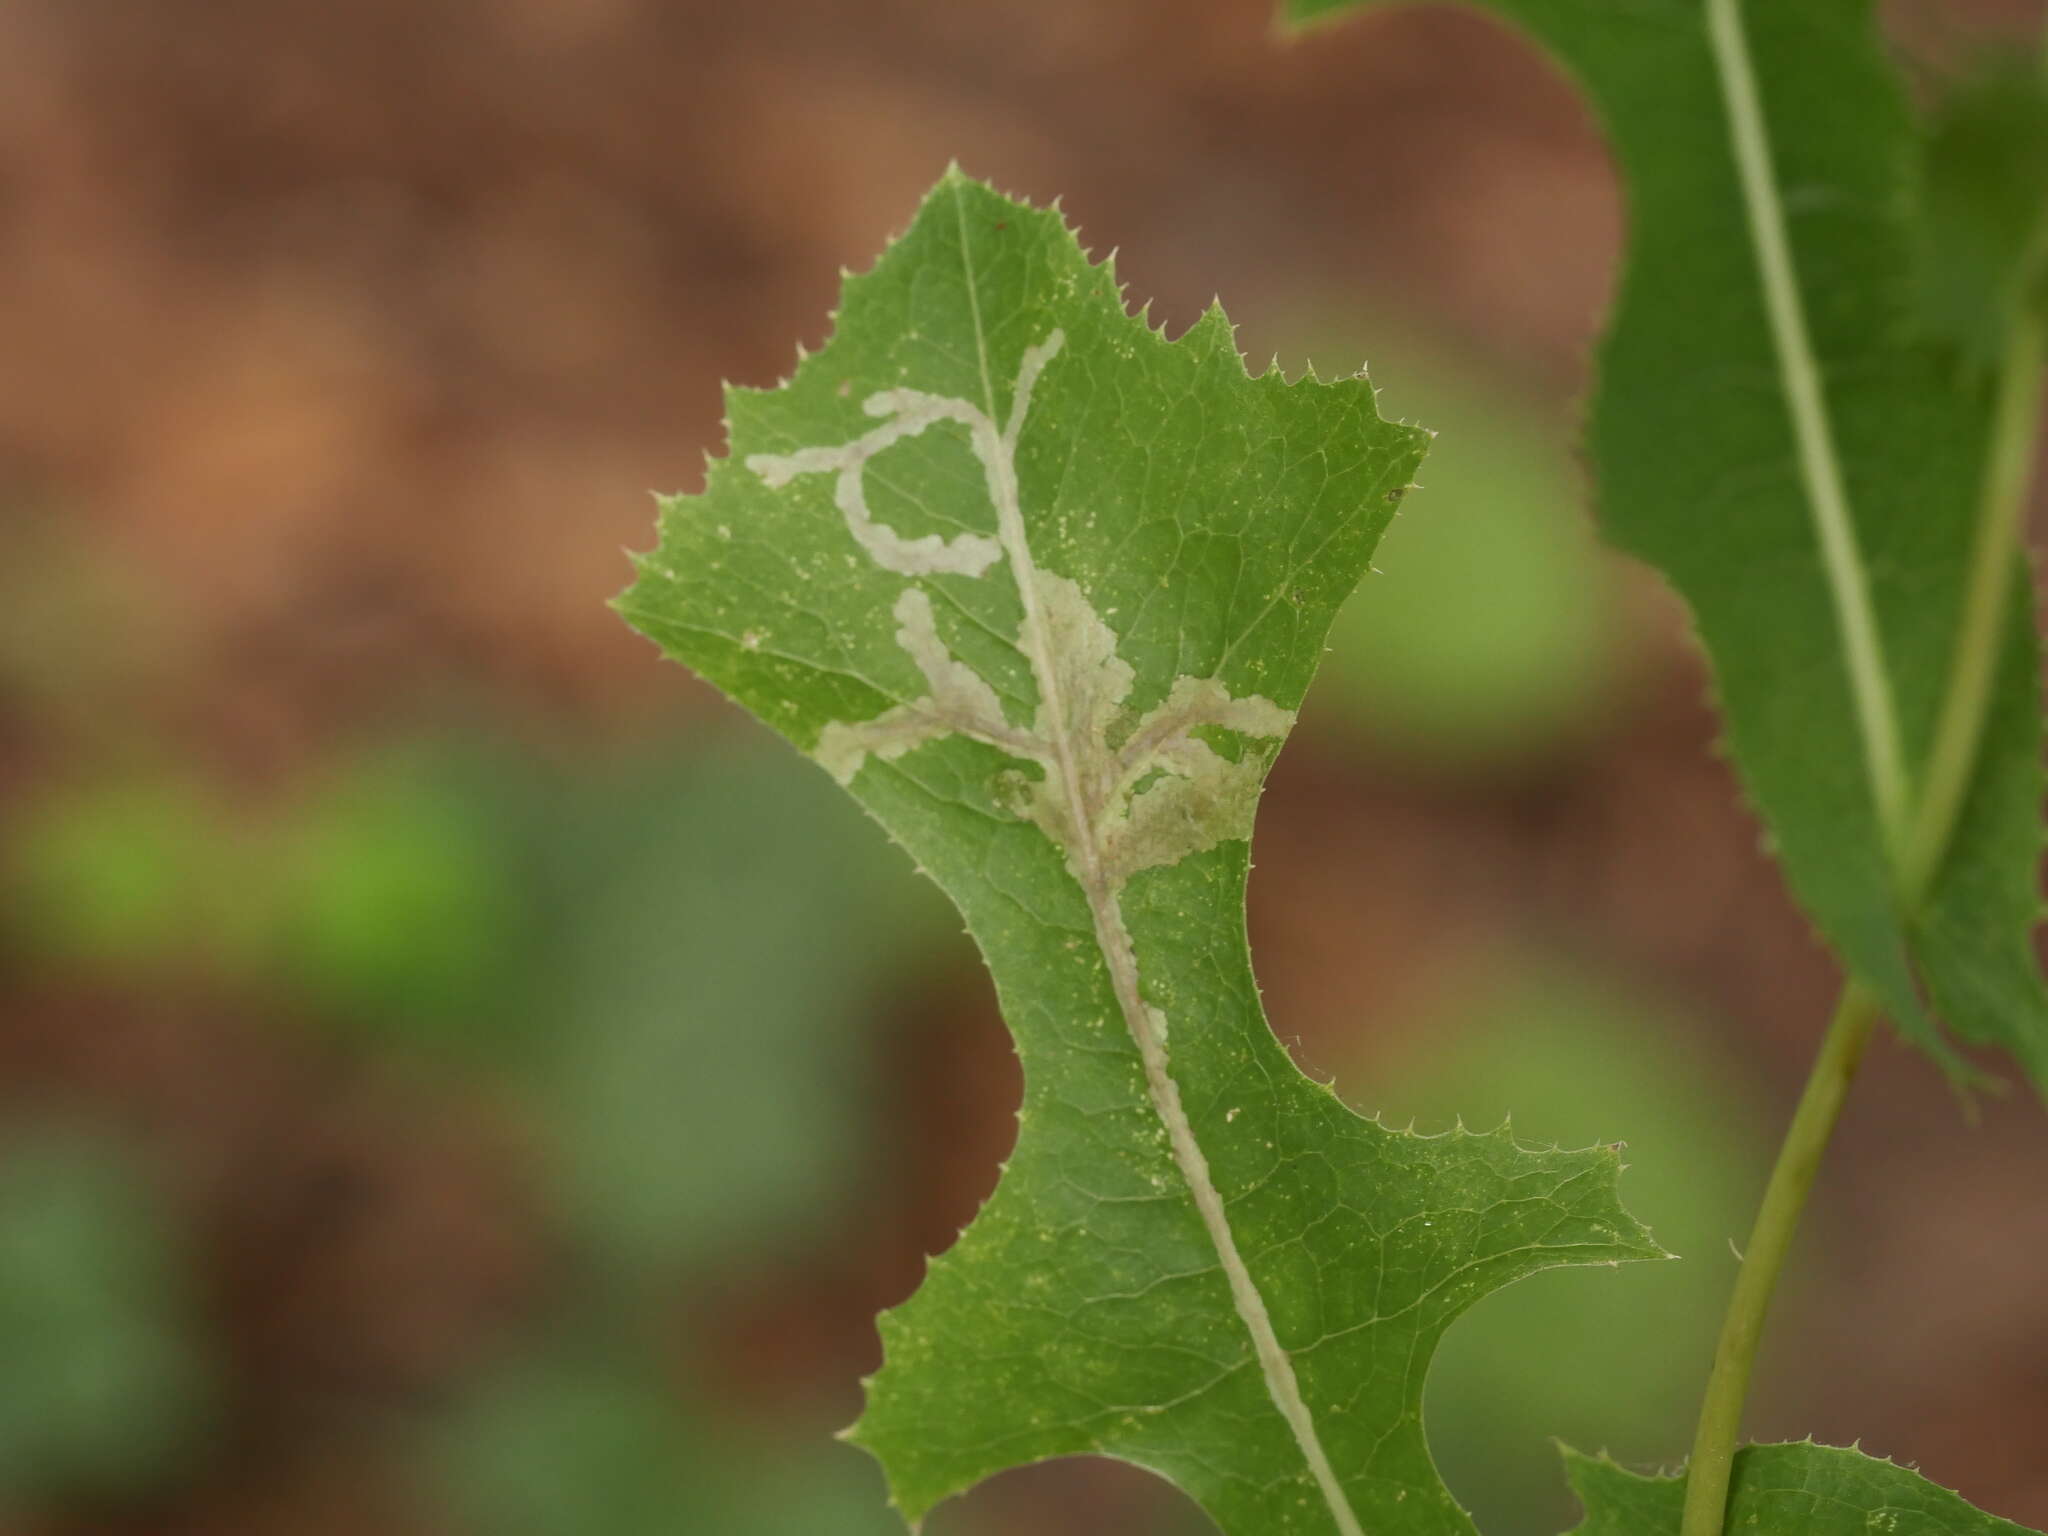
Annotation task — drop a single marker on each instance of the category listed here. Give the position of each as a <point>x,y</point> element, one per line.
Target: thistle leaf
<point>1043,590</point>
<point>1782,432</point>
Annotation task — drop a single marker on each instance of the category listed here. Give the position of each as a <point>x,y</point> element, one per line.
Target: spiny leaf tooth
<point>1213,315</point>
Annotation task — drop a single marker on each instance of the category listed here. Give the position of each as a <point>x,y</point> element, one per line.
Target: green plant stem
<point>1777,1219</point>
<point>1951,765</point>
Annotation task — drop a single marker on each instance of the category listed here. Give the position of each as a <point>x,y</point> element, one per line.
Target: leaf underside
<point>1698,474</point>
<point>1043,590</point>
<point>1784,1490</point>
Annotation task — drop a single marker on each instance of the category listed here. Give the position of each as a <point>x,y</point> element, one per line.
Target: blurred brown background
<point>412,1116</point>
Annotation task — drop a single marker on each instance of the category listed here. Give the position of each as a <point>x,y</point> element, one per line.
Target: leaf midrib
<point>1113,939</point>
<point>1806,402</point>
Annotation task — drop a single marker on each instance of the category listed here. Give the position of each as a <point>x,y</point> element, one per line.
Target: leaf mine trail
<point>1041,588</point>
<point>1159,795</point>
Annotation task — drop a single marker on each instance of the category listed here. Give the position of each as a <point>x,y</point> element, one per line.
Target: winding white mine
<point>1162,795</point>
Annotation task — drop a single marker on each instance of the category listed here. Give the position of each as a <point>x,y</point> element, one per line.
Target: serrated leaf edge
<point>1574,1458</point>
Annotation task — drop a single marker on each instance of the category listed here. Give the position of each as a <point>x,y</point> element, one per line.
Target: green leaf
<point>1043,590</point>
<point>1803,459</point>
<point>1784,1490</point>
<point>105,1387</point>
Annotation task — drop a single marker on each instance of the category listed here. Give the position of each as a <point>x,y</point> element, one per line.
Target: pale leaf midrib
<point>1805,398</point>
<point>1114,940</point>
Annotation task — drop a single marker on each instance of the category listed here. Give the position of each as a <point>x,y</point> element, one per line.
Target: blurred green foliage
<point>665,953</point>
<point>723,929</point>
<point>670,957</point>
<point>131,873</point>
<point>1486,635</point>
<point>104,1384</point>
<point>395,907</point>
<point>563,1445</point>
<point>706,933</point>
